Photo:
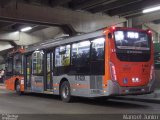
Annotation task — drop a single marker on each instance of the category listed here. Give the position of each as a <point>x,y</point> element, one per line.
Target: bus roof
<point>61,41</point>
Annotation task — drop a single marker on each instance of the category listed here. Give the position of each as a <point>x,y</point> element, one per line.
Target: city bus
<point>109,62</point>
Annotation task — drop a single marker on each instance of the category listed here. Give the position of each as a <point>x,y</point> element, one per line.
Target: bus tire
<point>18,88</point>
<point>65,92</point>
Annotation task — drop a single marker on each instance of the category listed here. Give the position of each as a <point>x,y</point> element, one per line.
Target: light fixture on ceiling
<point>151,9</point>
<point>26,29</point>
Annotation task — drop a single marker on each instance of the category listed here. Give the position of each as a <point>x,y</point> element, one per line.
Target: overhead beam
<point>88,3</point>
<point>25,21</point>
<point>145,18</point>
<point>68,29</point>
<point>9,36</point>
<point>5,45</point>
<point>18,38</point>
<point>54,3</point>
<point>5,24</point>
<point>59,16</point>
<point>132,7</point>
<point>3,3</point>
<point>13,43</point>
<point>65,27</point>
<point>51,3</point>
<point>10,42</point>
<point>113,5</point>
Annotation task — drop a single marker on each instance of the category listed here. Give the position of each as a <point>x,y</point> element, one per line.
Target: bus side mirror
<point>109,35</point>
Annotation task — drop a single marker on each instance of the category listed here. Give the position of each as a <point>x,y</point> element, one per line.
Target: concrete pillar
<point>130,23</point>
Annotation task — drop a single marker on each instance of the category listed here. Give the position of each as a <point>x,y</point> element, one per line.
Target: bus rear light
<point>113,27</point>
<point>113,72</point>
<point>149,31</point>
<point>151,72</point>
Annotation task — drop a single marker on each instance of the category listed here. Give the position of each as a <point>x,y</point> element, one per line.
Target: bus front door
<point>28,72</point>
<point>48,83</point>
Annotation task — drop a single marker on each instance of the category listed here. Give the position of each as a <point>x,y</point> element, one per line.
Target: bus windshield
<point>131,40</point>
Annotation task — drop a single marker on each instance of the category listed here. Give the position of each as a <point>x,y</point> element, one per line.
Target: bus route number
<point>80,78</point>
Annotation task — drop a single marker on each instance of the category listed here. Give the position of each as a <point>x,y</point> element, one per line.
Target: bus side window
<point>97,56</point>
<point>37,62</point>
<point>62,56</point>
<point>80,57</point>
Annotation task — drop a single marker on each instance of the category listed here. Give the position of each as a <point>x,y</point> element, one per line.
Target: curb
<point>149,100</point>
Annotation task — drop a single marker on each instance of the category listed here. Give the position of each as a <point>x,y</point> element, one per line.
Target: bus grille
<point>96,82</point>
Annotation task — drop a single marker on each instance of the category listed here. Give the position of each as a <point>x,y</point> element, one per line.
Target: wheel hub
<point>65,92</point>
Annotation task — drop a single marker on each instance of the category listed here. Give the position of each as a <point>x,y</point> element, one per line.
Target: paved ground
<point>43,104</point>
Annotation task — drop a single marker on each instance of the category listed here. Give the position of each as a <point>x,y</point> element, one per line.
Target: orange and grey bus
<point>109,62</point>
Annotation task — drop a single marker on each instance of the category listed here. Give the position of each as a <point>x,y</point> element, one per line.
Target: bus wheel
<point>18,90</point>
<point>65,92</point>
